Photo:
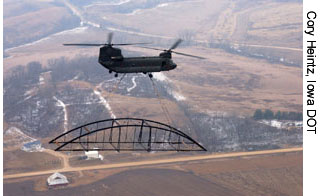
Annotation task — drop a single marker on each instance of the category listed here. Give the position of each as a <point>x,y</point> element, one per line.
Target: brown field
<point>17,161</point>
<point>270,24</point>
<point>267,175</point>
<point>241,21</point>
<point>238,85</point>
<point>276,174</point>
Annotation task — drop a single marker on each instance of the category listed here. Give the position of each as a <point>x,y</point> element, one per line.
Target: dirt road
<point>202,41</point>
<point>154,162</point>
<point>274,47</point>
<point>60,155</point>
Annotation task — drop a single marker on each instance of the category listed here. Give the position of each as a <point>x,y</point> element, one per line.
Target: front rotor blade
<point>176,44</point>
<point>189,55</point>
<point>110,35</point>
<point>83,44</point>
<point>129,44</point>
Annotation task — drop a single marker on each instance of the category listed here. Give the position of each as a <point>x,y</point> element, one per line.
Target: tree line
<point>279,115</point>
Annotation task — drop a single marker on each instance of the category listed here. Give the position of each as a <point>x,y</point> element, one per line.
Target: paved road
<point>153,162</point>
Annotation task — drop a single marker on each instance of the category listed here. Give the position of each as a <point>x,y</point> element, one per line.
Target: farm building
<point>93,155</point>
<point>34,146</point>
<point>57,179</point>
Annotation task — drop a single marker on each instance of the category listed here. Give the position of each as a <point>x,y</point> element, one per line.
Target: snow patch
<point>61,104</point>
<point>74,78</point>
<point>160,77</point>
<point>108,4</point>
<point>137,11</point>
<point>273,123</point>
<point>122,2</point>
<point>14,136</point>
<point>93,24</point>
<point>282,124</point>
<point>163,5</point>
<point>106,83</point>
<point>72,31</point>
<point>26,98</point>
<point>163,78</point>
<point>134,84</point>
<point>105,103</point>
<point>41,80</point>
<point>178,96</point>
<point>74,10</point>
<point>136,33</point>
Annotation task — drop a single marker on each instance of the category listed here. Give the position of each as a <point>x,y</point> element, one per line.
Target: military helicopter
<point>112,59</point>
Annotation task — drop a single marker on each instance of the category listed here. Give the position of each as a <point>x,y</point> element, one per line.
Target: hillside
<point>237,77</point>
<point>22,20</point>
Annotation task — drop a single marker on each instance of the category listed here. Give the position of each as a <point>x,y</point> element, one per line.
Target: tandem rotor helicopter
<point>112,59</point>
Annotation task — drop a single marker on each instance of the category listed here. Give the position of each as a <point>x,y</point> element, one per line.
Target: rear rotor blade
<point>189,55</point>
<point>176,44</point>
<point>110,35</point>
<point>83,44</point>
<point>180,53</point>
<point>151,48</point>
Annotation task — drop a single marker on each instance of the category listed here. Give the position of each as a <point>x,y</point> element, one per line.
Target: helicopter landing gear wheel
<point>110,71</point>
<point>116,75</point>
<point>150,75</point>
<point>144,72</point>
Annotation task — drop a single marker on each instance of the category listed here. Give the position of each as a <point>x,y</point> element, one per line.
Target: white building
<point>34,146</point>
<point>94,154</point>
<point>57,179</point>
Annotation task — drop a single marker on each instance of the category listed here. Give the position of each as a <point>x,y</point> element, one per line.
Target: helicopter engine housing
<point>108,53</point>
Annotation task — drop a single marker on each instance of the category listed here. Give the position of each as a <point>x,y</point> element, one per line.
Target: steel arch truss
<point>126,134</point>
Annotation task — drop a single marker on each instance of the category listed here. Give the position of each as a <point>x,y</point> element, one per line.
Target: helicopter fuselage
<point>139,64</point>
<point>112,59</point>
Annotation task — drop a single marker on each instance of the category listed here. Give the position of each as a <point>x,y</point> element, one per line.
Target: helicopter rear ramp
<point>125,134</point>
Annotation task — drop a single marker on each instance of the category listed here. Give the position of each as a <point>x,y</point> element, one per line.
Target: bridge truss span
<point>125,134</point>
